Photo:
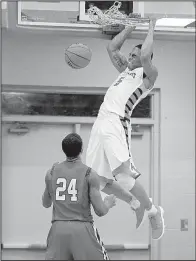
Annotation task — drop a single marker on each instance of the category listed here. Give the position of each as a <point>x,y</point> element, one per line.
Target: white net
<point>114,16</point>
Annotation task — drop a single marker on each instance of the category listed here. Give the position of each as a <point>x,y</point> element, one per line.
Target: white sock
<point>134,203</point>
<point>152,211</point>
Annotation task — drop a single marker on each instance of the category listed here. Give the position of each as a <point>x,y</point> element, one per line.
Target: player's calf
<point>128,182</point>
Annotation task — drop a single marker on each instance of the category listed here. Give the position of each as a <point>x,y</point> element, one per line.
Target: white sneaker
<point>157,223</point>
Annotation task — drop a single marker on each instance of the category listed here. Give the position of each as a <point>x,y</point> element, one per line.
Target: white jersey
<point>125,93</point>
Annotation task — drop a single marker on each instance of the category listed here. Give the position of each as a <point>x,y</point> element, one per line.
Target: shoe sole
<point>162,213</point>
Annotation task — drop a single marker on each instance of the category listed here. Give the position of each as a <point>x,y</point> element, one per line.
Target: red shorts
<point>74,240</point>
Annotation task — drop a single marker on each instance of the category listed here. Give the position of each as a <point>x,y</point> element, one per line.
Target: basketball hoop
<point>113,16</point>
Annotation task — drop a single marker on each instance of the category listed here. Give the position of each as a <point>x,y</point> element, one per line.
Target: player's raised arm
<point>100,207</point>
<point>118,59</point>
<point>146,54</point>
<point>46,198</point>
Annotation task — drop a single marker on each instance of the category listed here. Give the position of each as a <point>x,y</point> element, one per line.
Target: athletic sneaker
<point>157,223</point>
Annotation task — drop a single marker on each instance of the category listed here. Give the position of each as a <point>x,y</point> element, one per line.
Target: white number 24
<point>71,189</point>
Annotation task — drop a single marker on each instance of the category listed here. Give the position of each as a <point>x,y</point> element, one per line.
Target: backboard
<point>73,14</point>
<point>67,13</point>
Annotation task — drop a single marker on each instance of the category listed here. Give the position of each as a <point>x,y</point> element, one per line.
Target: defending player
<point>72,187</point>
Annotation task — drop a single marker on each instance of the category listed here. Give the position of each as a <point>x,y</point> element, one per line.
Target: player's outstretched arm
<point>118,59</point>
<point>146,52</point>
<point>100,206</point>
<point>46,198</point>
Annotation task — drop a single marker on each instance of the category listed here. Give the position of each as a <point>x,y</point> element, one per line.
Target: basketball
<point>78,55</point>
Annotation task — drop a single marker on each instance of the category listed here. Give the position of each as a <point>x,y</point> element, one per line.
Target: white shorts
<point>108,146</point>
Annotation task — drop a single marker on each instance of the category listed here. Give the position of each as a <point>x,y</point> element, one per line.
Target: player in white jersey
<point>109,148</point>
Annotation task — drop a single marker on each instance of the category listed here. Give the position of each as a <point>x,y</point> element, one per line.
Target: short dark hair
<point>140,47</point>
<point>72,145</point>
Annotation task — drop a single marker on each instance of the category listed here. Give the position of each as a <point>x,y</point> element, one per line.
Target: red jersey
<point>68,187</point>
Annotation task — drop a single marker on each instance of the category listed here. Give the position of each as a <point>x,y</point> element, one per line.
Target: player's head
<point>72,145</point>
<point>135,57</point>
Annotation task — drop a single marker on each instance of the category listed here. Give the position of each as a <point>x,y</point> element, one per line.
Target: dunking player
<point>72,187</point>
<point>109,148</point>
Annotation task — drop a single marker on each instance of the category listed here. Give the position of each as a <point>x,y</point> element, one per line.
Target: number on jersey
<point>71,189</point>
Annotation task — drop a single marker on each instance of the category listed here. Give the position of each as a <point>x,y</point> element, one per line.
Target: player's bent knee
<point>124,167</point>
<point>126,181</point>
